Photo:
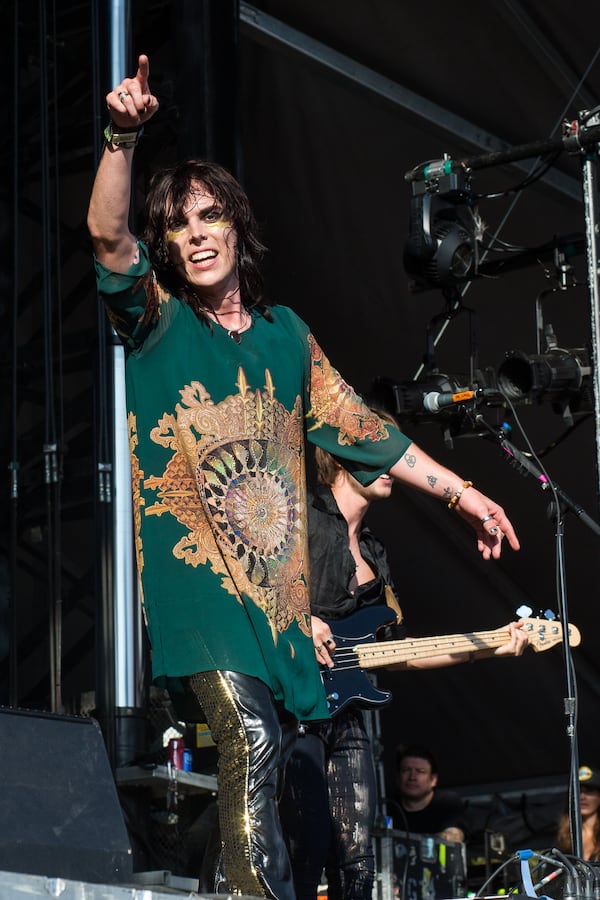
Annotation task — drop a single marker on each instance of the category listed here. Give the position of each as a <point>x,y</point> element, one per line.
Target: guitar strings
<point>474,642</point>
<point>349,657</point>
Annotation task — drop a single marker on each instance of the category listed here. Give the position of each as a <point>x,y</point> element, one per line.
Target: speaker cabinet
<point>60,812</point>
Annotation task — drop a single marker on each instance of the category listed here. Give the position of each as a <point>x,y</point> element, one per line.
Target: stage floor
<point>148,886</point>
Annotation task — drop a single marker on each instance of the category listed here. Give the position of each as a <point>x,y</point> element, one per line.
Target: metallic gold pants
<point>254,739</point>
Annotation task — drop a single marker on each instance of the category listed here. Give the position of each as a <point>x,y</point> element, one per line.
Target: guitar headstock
<point>543,633</point>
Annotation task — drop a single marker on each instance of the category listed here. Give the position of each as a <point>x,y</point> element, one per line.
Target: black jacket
<point>332,565</point>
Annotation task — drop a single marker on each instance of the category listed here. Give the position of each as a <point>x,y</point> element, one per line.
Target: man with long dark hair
<point>222,393</point>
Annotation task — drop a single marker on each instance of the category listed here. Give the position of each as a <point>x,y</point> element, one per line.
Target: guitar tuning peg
<point>524,612</point>
<point>549,615</point>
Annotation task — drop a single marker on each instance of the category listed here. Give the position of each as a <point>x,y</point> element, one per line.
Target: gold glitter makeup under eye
<point>174,233</point>
<point>220,223</point>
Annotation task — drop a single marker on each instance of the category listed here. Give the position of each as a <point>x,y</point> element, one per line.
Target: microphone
<point>434,401</point>
<point>548,878</point>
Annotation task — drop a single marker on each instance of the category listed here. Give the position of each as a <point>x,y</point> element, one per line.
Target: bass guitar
<point>357,649</point>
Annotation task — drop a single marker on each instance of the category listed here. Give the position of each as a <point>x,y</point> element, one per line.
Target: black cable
<point>571,701</point>
<point>58,407</point>
<point>57,239</point>
<point>13,686</point>
<point>537,172</point>
<point>103,501</point>
<point>103,437</point>
<point>48,374</point>
<point>554,857</point>
<point>504,865</point>
<point>558,440</point>
<point>50,448</point>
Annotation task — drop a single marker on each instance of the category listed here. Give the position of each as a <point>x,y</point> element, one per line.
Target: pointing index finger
<point>143,71</point>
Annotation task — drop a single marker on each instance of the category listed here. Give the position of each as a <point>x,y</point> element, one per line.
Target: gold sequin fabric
<point>215,695</point>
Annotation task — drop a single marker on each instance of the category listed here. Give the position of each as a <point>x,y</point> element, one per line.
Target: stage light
<point>441,250</point>
<point>561,376</point>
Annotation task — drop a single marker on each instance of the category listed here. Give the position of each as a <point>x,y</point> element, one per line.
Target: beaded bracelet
<point>454,500</point>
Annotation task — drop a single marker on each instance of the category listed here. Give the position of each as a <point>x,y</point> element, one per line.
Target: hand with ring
<point>323,641</point>
<point>479,511</point>
<point>131,101</point>
<point>488,518</point>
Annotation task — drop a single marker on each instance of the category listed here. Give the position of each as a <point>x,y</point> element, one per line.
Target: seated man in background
<point>422,809</point>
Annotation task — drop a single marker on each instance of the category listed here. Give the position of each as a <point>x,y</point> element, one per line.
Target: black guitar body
<point>347,683</point>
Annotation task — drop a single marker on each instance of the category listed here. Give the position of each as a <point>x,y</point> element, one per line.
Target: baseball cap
<point>589,777</point>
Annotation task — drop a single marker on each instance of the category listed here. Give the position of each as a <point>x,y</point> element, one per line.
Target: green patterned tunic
<point>217,436</point>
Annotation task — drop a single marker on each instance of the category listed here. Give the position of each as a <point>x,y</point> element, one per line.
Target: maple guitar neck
<point>385,653</point>
<point>356,650</point>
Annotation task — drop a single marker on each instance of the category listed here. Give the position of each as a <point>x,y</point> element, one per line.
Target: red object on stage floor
<point>176,750</point>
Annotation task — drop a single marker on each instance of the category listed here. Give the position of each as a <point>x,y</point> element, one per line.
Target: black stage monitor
<point>60,812</point>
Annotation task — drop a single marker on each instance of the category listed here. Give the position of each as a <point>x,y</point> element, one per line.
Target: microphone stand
<point>562,502</point>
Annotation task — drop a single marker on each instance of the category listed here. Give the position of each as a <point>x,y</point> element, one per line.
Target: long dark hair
<point>563,837</point>
<point>167,195</point>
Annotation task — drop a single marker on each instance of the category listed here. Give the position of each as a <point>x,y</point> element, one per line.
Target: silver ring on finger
<point>122,94</point>
<point>486,519</point>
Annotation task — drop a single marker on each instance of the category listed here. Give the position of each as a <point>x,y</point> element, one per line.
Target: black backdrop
<point>323,159</point>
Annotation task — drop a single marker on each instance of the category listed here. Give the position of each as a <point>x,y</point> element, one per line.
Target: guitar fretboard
<point>385,653</point>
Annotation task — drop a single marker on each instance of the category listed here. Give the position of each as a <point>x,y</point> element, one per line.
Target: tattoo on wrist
<point>431,481</point>
<point>410,460</point>
<point>447,493</point>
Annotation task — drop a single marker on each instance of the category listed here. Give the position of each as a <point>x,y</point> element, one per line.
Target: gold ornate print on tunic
<point>333,402</point>
<point>236,482</point>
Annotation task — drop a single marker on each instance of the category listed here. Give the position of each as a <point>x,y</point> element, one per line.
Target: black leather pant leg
<point>353,801</point>
<point>253,744</point>
<point>328,809</point>
<point>305,812</point>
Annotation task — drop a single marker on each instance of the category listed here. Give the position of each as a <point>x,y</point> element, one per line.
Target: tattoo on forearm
<point>447,493</point>
<point>410,459</point>
<point>431,481</point>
